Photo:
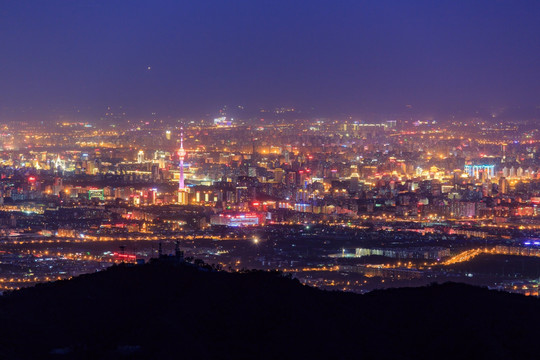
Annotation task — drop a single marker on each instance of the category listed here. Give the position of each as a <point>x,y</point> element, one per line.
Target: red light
<point>124,256</point>
<point>32,178</point>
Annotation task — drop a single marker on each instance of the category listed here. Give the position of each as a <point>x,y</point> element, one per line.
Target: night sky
<point>188,58</point>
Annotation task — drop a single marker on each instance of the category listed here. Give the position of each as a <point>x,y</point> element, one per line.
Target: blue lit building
<point>477,170</point>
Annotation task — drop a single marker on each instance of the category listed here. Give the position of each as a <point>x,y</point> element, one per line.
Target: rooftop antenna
<point>177,251</point>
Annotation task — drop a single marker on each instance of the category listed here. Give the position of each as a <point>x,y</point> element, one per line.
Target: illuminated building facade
<point>236,219</point>
<point>476,171</point>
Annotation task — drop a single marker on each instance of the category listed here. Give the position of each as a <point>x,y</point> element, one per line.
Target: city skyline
<point>269,179</point>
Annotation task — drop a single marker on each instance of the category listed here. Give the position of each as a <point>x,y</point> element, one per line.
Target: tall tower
<point>182,190</point>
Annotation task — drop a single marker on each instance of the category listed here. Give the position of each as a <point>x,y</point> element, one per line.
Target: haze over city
<point>181,59</point>
<point>269,179</point>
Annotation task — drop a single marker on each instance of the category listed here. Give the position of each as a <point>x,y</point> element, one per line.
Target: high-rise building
<point>161,161</point>
<point>57,186</point>
<point>140,156</point>
<point>503,185</point>
<point>354,180</point>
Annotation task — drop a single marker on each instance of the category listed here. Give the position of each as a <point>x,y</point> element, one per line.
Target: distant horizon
<point>515,114</point>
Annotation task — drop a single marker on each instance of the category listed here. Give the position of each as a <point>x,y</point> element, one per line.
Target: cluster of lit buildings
<point>224,179</point>
<point>321,169</point>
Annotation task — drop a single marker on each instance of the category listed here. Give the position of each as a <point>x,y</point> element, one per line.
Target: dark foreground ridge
<point>161,311</point>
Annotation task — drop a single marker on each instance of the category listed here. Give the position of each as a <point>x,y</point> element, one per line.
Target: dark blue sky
<point>337,56</point>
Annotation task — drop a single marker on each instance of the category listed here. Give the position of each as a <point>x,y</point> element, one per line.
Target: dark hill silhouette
<point>162,311</point>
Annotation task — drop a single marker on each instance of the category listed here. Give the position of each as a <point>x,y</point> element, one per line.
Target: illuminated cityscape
<point>376,203</point>
<point>259,169</point>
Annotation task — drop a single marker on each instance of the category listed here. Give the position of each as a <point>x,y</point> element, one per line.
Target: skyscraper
<point>140,156</point>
